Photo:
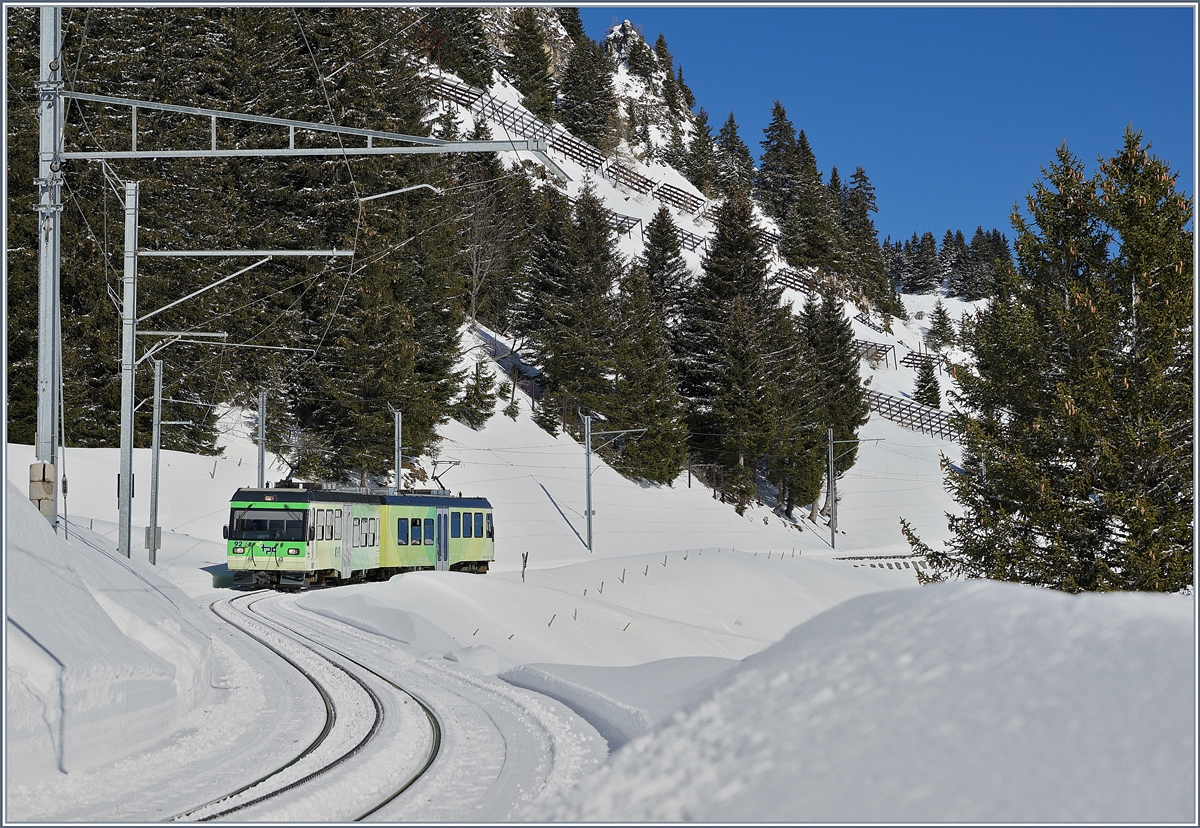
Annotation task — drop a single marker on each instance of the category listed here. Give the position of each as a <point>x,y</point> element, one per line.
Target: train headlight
<point>239,550</point>
<point>293,551</point>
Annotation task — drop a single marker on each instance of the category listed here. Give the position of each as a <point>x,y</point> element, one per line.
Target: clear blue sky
<point>952,112</point>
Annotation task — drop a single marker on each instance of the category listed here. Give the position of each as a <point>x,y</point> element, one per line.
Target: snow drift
<point>103,657</point>
<point>957,702</point>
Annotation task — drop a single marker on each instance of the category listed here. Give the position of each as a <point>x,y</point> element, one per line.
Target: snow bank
<point>622,703</point>
<point>958,702</point>
<point>103,657</point>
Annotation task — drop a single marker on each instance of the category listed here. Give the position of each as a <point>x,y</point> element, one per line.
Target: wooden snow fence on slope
<point>912,415</point>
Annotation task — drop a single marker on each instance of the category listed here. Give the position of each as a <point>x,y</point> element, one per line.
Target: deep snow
<point>739,667</point>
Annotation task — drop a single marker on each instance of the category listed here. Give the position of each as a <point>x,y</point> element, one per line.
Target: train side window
<point>329,524</point>
<point>416,531</point>
<point>402,531</point>
<point>455,525</point>
<point>319,523</point>
<point>466,524</point>
<point>357,532</point>
<point>479,524</point>
<point>429,531</point>
<point>491,531</point>
<point>374,531</point>
<point>337,525</point>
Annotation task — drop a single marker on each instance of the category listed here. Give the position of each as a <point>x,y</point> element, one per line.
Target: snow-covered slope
<point>102,656</point>
<point>976,702</point>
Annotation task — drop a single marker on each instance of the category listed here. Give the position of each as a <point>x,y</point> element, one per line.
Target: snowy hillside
<point>682,601</point>
<point>695,664</point>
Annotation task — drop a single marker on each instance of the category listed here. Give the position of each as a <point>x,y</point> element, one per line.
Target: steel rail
<point>435,725</point>
<point>330,717</point>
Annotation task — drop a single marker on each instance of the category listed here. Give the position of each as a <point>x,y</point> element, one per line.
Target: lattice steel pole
<point>128,367</point>
<point>262,438</point>
<point>49,182</point>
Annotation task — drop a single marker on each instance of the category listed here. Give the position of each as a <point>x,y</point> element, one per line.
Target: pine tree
<point>700,165</point>
<point>641,59</point>
<point>923,274</point>
<point>570,20</point>
<point>588,104</point>
<point>726,337</point>
<point>864,261</point>
<point>465,50</point>
<point>836,194</point>
<point>573,340</point>
<point>733,165</point>
<point>685,93</point>
<point>927,391</point>
<point>530,63</point>
<point>478,402</point>
<point>838,385</point>
<point>645,393</point>
<point>778,172</point>
<point>941,329</point>
<point>1076,416</point>
<point>666,272</point>
<point>663,56</point>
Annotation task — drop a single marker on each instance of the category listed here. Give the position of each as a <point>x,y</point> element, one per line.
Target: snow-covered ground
<point>738,667</point>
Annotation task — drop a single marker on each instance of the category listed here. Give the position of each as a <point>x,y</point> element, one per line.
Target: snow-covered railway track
<point>503,748</point>
<point>321,781</point>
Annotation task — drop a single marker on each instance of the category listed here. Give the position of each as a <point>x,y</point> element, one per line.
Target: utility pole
<point>49,183</point>
<point>152,531</point>
<point>128,364</point>
<point>587,471</point>
<point>262,438</point>
<point>587,463</point>
<point>832,497</point>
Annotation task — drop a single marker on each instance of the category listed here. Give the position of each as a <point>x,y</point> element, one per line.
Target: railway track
<point>355,717</point>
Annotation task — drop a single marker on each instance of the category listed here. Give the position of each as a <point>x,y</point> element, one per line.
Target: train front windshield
<point>267,524</point>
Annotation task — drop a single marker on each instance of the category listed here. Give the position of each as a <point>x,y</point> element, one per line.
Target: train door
<point>441,538</point>
<point>347,540</point>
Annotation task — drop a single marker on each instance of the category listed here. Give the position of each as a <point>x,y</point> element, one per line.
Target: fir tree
<point>699,163</point>
<point>644,390</point>
<point>927,391</point>
<point>778,171</point>
<point>666,272</point>
<point>572,293</point>
<point>465,50</point>
<point>640,59</point>
<point>479,398</point>
<point>837,383</point>
<point>941,329</point>
<point>863,262</point>
<point>923,274</point>
<point>570,20</point>
<point>587,103</point>
<point>663,56</point>
<point>530,63</point>
<point>1076,415</point>
<point>685,93</point>
<point>727,341</point>
<point>733,165</point>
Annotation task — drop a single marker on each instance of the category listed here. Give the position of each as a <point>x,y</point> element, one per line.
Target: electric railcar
<point>299,537</point>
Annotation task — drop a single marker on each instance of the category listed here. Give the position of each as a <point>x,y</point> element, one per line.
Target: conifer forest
<point>1071,385</point>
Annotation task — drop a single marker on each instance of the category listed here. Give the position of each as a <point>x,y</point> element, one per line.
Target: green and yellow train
<point>299,537</point>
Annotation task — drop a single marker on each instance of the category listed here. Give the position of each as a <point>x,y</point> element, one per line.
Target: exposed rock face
<point>498,20</point>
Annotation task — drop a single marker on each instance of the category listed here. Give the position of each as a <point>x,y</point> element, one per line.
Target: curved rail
<point>435,725</point>
<point>331,717</point>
